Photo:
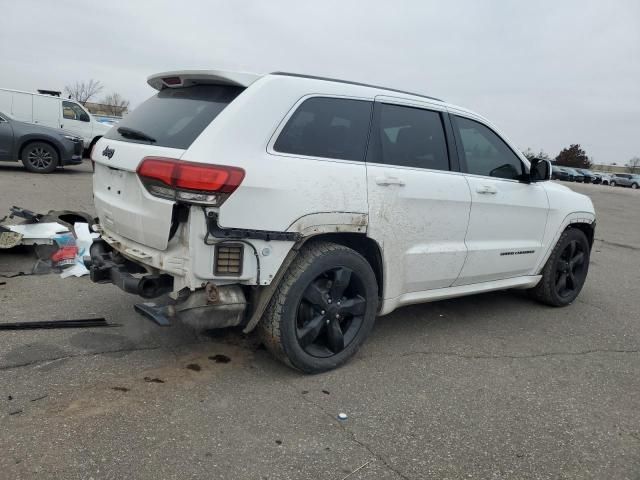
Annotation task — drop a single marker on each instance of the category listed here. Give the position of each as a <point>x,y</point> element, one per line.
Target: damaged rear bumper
<point>107,266</point>
<point>210,307</point>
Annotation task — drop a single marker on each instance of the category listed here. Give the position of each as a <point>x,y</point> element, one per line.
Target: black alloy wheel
<point>331,312</point>
<point>323,309</point>
<point>570,270</point>
<point>565,272</point>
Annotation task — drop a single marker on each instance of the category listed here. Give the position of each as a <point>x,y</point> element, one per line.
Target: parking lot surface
<point>491,386</point>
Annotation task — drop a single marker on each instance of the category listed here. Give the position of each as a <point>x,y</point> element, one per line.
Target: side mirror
<point>540,170</point>
<point>84,117</point>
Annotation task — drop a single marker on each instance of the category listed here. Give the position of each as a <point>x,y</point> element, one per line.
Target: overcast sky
<point>548,73</point>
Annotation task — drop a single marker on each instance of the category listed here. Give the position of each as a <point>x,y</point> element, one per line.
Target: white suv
<point>307,206</point>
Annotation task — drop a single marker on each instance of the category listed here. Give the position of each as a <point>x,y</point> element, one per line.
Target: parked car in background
<point>589,176</point>
<point>605,178</point>
<point>55,112</point>
<point>574,175</point>
<point>41,149</point>
<point>558,173</point>
<point>307,206</point>
<point>626,180</point>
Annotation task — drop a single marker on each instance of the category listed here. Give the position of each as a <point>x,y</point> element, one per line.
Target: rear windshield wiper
<point>136,134</point>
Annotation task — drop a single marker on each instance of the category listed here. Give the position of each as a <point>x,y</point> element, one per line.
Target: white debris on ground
<point>84,239</point>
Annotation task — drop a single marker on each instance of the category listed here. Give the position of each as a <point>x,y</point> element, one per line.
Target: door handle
<point>487,190</point>
<point>386,181</point>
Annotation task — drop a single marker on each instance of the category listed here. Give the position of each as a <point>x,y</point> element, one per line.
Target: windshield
<point>174,117</point>
<point>6,116</point>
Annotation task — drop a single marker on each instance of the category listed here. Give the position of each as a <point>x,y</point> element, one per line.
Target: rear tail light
<point>189,182</point>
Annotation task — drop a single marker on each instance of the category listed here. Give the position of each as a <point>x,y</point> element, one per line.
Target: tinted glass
<point>485,153</point>
<point>174,117</point>
<point>327,127</point>
<point>409,137</point>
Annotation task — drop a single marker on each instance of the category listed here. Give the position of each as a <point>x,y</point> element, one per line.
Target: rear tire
<point>565,272</point>
<point>40,157</point>
<point>323,309</point>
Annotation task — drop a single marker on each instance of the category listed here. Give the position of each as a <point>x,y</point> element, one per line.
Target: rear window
<point>327,127</point>
<point>174,117</point>
<point>409,137</point>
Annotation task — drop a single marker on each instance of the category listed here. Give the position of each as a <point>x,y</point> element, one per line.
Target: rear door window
<point>174,117</point>
<point>409,137</point>
<point>327,127</point>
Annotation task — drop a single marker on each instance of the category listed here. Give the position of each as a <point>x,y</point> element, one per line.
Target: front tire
<point>40,157</point>
<point>323,309</point>
<point>565,272</point>
<point>613,184</point>
<point>634,186</point>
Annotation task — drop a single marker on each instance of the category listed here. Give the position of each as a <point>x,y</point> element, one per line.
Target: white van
<point>54,112</point>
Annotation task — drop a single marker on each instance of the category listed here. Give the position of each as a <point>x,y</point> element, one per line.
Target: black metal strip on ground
<point>50,324</point>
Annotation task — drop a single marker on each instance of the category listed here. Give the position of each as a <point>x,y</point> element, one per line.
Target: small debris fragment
<point>279,442</point>
<point>304,392</point>
<point>120,389</point>
<point>9,397</point>
<point>219,358</point>
<point>39,398</point>
<point>3,283</point>
<point>153,380</point>
<point>15,412</point>
<point>342,416</point>
<point>194,366</point>
<point>326,392</point>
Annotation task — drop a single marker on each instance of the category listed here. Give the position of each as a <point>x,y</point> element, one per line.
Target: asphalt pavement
<point>491,386</point>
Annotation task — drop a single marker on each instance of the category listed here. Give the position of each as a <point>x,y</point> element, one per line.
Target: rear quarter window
<point>327,127</point>
<point>175,117</point>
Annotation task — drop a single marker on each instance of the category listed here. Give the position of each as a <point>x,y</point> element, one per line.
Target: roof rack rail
<point>327,79</point>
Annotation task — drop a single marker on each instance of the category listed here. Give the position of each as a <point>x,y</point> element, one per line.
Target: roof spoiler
<point>187,78</point>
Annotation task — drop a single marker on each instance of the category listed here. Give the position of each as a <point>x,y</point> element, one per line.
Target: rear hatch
<point>163,126</point>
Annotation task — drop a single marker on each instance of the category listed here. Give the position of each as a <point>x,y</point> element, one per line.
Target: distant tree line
<point>84,91</point>
<point>574,156</point>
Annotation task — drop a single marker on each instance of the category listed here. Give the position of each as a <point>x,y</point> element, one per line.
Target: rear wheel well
<point>587,228</point>
<point>362,244</point>
<point>29,142</point>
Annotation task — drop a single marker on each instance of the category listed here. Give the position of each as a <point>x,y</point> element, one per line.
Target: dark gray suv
<point>41,149</point>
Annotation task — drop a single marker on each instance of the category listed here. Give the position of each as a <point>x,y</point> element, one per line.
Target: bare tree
<point>83,91</point>
<point>633,165</point>
<point>115,104</point>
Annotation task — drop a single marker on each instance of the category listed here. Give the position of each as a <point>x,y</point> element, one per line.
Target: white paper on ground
<point>77,270</point>
<point>84,238</point>
<point>38,230</point>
